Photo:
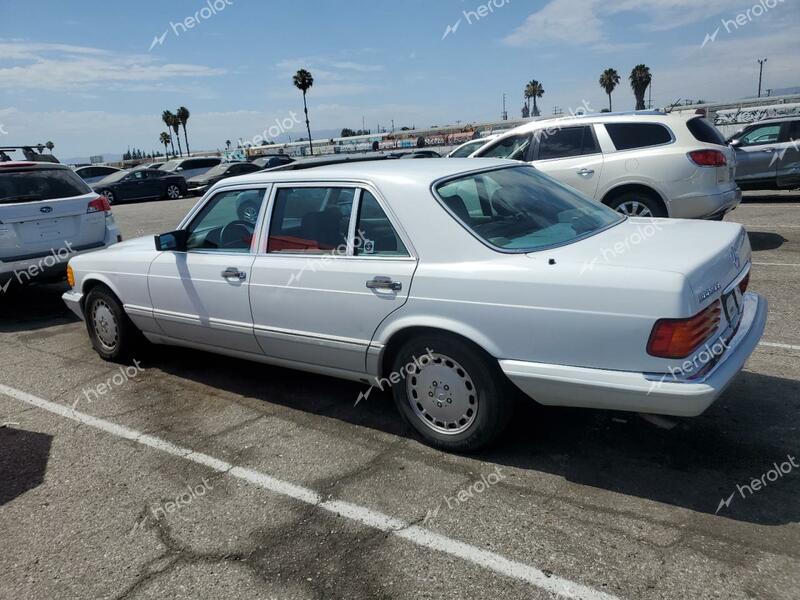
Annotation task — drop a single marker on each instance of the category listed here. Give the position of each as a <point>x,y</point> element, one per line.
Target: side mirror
<point>735,143</point>
<point>174,240</point>
<point>179,168</point>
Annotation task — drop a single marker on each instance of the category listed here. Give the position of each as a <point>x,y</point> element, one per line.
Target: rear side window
<point>569,141</point>
<point>41,184</point>
<point>375,235</point>
<point>311,220</point>
<point>704,131</point>
<point>627,136</point>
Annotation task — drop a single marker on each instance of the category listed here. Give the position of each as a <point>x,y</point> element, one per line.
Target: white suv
<point>47,215</point>
<point>642,164</point>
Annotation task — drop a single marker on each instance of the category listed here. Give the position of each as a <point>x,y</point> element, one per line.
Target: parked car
<point>448,282</point>
<point>155,165</point>
<point>329,159</point>
<point>418,154</point>
<point>199,184</point>
<point>146,184</point>
<point>640,164</point>
<point>190,167</point>
<point>768,154</point>
<point>276,160</point>
<point>94,173</point>
<point>467,149</point>
<point>47,214</point>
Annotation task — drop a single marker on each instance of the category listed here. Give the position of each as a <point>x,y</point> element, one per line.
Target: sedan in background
<point>190,167</point>
<point>449,282</point>
<point>155,165</point>
<point>276,160</point>
<point>93,174</point>
<point>146,184</point>
<point>768,154</point>
<point>199,184</point>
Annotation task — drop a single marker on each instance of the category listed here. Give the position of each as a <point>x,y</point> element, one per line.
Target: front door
<point>756,161</point>
<point>201,295</point>
<point>333,267</point>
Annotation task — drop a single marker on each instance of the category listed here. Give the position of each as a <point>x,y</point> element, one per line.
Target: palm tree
<point>175,123</point>
<point>608,81</point>
<point>165,139</point>
<point>640,81</point>
<point>183,116</point>
<point>50,145</point>
<point>534,90</point>
<point>303,81</point>
<point>227,144</point>
<point>167,117</point>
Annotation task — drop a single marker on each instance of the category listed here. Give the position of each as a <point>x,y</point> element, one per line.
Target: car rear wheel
<point>109,196</point>
<point>450,393</point>
<point>173,191</point>
<point>113,335</point>
<point>638,204</point>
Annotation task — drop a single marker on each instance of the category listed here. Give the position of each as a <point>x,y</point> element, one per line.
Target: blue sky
<point>83,74</point>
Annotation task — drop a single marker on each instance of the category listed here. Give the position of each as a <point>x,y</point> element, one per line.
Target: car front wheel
<point>111,331</point>
<point>452,393</point>
<point>109,196</point>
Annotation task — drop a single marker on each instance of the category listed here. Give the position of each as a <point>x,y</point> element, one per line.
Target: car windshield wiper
<point>23,197</point>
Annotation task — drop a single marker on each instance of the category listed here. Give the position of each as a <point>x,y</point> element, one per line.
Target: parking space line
<point>777,345</point>
<point>771,264</point>
<point>360,514</point>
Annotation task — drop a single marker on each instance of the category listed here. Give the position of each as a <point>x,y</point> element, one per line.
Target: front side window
<point>375,235</point>
<point>227,222</point>
<point>524,211</point>
<point>513,147</point>
<point>566,142</point>
<point>311,220</point>
<point>766,134</point>
<point>627,136</point>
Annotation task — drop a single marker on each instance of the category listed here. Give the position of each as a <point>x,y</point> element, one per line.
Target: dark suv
<point>768,154</point>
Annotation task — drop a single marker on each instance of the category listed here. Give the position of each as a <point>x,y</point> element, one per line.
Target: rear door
<point>571,155</point>
<point>46,209</point>
<point>788,155</point>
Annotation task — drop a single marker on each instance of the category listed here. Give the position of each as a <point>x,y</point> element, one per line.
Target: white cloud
<point>62,67</point>
<point>565,21</point>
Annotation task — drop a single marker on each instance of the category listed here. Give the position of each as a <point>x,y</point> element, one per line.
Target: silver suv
<point>768,154</point>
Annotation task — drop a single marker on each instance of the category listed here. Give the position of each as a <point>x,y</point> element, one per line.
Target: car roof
<point>31,165</point>
<point>408,172</point>
<point>640,116</point>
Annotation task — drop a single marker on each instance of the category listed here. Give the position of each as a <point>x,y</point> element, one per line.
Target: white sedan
<point>450,282</point>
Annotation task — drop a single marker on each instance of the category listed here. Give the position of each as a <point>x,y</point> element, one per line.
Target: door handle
<point>234,273</point>
<point>585,171</point>
<point>384,283</point>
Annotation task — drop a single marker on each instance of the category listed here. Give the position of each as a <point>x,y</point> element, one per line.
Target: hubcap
<point>173,191</point>
<point>105,325</point>
<point>634,208</point>
<point>109,196</point>
<point>442,394</point>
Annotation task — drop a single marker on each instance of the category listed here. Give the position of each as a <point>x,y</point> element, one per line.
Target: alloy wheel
<point>173,192</point>
<point>634,208</point>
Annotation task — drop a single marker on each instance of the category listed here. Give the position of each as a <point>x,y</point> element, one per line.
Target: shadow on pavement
<point>693,465</point>
<point>23,461</point>
<point>760,240</point>
<point>35,306</point>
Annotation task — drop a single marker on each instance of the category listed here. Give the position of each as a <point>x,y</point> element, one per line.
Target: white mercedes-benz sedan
<point>450,282</point>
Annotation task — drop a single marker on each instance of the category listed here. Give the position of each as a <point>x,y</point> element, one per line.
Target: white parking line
<point>770,264</point>
<point>360,514</point>
<point>777,345</point>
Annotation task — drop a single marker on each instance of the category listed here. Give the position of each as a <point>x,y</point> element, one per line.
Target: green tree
<point>534,90</point>
<point>50,145</point>
<point>608,81</point>
<point>303,81</point>
<point>167,117</point>
<point>640,80</point>
<point>183,115</point>
<point>165,139</point>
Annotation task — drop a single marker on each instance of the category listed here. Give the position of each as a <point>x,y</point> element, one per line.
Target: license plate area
<point>732,306</point>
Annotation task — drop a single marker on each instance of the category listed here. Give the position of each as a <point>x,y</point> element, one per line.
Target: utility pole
<point>504,114</point>
<point>760,72</point>
<point>650,94</point>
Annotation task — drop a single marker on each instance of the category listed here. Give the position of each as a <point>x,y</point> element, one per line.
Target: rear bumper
<point>559,385</point>
<point>22,269</point>
<point>701,206</point>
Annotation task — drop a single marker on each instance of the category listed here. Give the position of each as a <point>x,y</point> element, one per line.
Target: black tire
<point>112,199</point>
<point>493,400</point>
<point>127,339</point>
<point>641,199</point>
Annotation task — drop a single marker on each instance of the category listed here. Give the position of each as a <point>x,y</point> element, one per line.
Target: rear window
<point>704,131</point>
<point>518,209</point>
<point>40,184</point>
<point>627,136</point>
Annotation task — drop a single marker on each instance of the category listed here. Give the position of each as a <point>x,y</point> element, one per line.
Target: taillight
<point>676,338</point>
<point>99,204</point>
<point>744,282</point>
<point>708,158</point>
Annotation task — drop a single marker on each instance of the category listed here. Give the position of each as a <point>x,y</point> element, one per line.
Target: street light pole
<point>760,72</point>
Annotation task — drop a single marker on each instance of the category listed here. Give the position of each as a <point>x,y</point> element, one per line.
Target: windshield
<point>170,165</point>
<point>114,177</point>
<point>40,184</point>
<point>466,149</point>
<point>520,209</point>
